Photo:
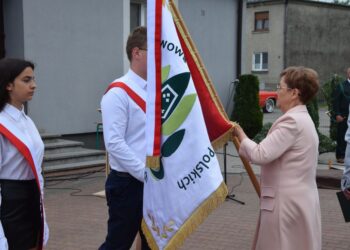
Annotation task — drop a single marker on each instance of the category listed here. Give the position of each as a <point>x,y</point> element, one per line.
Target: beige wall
<point>318,37</point>
<point>269,41</point>
<point>215,39</point>
<point>316,34</point>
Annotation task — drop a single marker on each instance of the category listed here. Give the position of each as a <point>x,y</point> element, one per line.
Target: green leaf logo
<point>175,110</point>
<point>179,115</point>
<point>172,91</point>
<point>158,173</point>
<point>172,143</point>
<point>165,73</point>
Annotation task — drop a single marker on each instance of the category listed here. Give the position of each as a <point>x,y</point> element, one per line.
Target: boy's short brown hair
<point>137,38</point>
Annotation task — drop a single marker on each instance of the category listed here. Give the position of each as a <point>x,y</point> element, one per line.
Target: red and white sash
<point>17,139</point>
<point>131,93</point>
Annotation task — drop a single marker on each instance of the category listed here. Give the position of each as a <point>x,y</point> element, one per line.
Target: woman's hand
<point>238,132</point>
<point>339,118</point>
<point>347,194</point>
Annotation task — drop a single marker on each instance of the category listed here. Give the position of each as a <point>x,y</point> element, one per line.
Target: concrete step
<point>48,138</point>
<point>62,146</point>
<point>66,155</point>
<point>329,178</point>
<point>73,166</point>
<point>73,157</point>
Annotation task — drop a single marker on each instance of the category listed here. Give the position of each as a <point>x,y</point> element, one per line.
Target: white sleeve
<point>345,181</point>
<point>46,230</point>
<point>3,240</point>
<point>114,108</point>
<point>46,227</point>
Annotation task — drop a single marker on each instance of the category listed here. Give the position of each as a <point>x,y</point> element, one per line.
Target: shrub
<point>326,144</point>
<point>263,132</point>
<point>327,90</point>
<point>247,111</point>
<point>312,108</point>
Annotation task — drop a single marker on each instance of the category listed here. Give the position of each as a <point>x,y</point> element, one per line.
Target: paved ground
<point>78,220</point>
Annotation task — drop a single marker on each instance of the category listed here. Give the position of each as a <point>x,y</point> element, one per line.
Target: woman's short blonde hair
<point>304,79</point>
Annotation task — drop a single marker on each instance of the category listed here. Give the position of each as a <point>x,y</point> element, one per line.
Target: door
<point>2,31</point>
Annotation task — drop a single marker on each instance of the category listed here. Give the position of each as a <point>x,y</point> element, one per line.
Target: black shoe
<point>340,160</point>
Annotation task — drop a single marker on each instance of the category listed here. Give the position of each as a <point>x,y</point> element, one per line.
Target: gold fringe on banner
<point>190,225</point>
<point>222,140</point>
<point>153,162</point>
<point>148,235</point>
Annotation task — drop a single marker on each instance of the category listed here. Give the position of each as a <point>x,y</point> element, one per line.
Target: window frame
<point>142,13</point>
<point>264,18</point>
<point>261,61</point>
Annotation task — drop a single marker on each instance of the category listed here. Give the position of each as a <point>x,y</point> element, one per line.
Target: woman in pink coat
<point>290,216</point>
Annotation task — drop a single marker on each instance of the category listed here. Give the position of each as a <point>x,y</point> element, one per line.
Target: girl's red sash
<point>23,149</point>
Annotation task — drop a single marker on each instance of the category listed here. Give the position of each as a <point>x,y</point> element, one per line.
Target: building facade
<point>79,48</point>
<point>280,33</point>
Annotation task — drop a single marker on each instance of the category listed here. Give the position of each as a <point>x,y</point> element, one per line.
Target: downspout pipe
<point>2,31</point>
<point>239,38</point>
<point>285,34</point>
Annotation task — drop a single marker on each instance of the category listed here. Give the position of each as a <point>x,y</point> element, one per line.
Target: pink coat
<point>290,216</point>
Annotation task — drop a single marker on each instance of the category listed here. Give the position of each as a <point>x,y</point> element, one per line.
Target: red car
<point>267,100</point>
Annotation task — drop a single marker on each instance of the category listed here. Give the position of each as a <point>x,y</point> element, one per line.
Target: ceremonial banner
<point>183,181</point>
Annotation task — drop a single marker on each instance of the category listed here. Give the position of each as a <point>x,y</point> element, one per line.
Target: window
<point>261,21</point>
<point>260,61</point>
<point>137,14</point>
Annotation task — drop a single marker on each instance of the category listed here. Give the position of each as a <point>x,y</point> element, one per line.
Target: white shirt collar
<point>348,80</point>
<point>136,78</point>
<point>14,112</point>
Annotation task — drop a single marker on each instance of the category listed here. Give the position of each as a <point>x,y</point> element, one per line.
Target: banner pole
<point>248,168</point>
<point>246,164</point>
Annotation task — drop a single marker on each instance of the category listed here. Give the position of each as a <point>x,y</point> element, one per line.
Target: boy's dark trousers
<point>124,196</point>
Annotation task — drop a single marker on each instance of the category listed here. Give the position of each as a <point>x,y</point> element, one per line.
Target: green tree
<point>345,2</point>
<point>312,108</point>
<point>327,90</point>
<point>247,111</point>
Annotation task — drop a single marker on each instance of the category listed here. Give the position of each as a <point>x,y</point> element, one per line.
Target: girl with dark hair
<point>22,221</point>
